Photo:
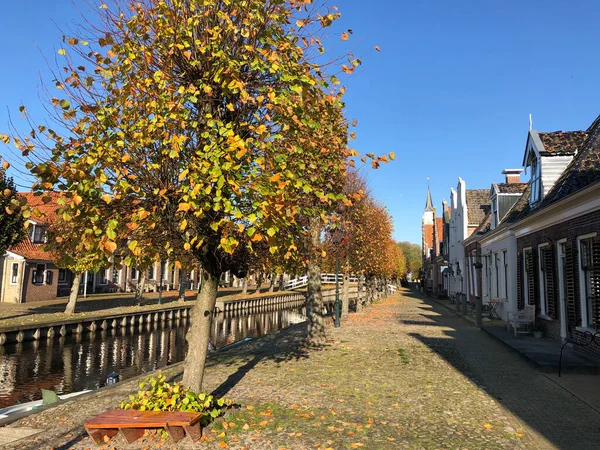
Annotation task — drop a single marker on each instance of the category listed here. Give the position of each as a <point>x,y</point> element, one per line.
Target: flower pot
<point>538,334</point>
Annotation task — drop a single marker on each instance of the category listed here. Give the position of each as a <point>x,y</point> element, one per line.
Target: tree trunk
<point>70,309</point>
<point>182,284</point>
<point>139,290</point>
<point>245,286</point>
<point>314,301</point>
<point>272,285</point>
<point>346,295</point>
<point>259,280</point>
<point>198,335</point>
<point>360,297</point>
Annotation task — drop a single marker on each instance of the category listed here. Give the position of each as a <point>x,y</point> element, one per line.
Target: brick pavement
<point>404,374</point>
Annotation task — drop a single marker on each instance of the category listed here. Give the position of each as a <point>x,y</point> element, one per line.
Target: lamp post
<point>338,235</point>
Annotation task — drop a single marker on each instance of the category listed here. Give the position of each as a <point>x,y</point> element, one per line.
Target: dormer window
<point>535,180</point>
<point>495,212</point>
<point>38,234</point>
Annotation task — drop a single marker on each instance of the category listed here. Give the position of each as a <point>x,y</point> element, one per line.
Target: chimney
<point>512,175</point>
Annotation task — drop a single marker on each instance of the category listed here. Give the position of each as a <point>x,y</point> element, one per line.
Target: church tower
<point>427,226</point>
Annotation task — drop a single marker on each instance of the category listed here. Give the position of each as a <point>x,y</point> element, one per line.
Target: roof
<point>478,205</point>
<point>29,250</point>
<point>511,188</point>
<point>43,213</point>
<point>428,202</point>
<point>583,171</point>
<point>485,224</point>
<point>520,209</point>
<point>559,143</point>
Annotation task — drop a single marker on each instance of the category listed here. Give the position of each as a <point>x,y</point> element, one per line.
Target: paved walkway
<point>404,374</point>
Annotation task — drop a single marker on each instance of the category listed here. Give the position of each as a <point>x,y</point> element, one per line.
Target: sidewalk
<point>406,373</point>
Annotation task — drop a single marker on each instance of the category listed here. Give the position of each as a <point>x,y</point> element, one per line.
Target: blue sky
<point>450,92</point>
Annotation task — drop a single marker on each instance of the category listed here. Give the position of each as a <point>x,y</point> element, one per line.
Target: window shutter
<point>570,284</point>
<point>595,278</point>
<point>520,299</point>
<point>548,255</point>
<point>530,278</point>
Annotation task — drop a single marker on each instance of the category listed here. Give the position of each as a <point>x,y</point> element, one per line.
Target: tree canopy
<point>12,223</point>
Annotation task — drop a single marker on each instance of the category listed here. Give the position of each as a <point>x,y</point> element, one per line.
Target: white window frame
<point>562,301</point>
<point>497,274</point>
<point>525,278</point>
<point>12,265</point>
<point>542,283</point>
<point>585,322</point>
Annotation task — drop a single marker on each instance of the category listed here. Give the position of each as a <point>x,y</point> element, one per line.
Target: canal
<point>77,362</point>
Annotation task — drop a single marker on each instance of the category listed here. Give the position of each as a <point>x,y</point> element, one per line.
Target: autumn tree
<point>211,121</point>
<point>412,253</point>
<point>12,223</point>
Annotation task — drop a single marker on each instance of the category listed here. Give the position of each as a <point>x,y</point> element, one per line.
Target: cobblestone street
<point>405,373</point>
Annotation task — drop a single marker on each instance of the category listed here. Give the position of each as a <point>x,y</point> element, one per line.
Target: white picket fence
<point>326,278</point>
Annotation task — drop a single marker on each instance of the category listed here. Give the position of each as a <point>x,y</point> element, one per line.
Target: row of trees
<point>209,133</point>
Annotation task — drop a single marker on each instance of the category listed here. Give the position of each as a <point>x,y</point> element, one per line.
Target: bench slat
<point>119,418</point>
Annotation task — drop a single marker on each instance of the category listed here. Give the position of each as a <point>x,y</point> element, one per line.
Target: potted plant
<point>538,331</point>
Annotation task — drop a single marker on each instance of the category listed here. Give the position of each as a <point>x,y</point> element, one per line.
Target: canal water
<point>77,362</point>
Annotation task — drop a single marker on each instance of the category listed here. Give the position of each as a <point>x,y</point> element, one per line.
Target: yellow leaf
<point>62,51</point>
<point>106,198</point>
<point>77,199</point>
<point>323,255</point>
<point>187,246</point>
<point>392,156</point>
<point>184,207</point>
<point>488,426</point>
<point>344,36</point>
<point>5,165</point>
<point>519,434</point>
<point>246,427</point>
<point>221,436</point>
<point>229,106</point>
<point>263,423</point>
<point>183,225</point>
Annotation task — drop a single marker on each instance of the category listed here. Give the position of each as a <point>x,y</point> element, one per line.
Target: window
<point>496,261</point>
<point>62,276</point>
<point>505,261</point>
<point>585,281</point>
<point>528,285</point>
<point>38,234</point>
<point>14,273</point>
<point>151,273</point>
<point>495,218</point>
<point>38,274</point>
<point>134,274</point>
<point>545,276</point>
<point>116,275</point>
<point>103,276</point>
<point>535,180</point>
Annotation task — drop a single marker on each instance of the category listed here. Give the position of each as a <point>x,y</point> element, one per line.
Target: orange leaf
<point>377,48</point>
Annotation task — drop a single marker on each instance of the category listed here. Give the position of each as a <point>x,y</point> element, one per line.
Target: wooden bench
<point>131,424</point>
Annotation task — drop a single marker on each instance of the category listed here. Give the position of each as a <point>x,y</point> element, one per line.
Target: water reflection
<point>77,362</point>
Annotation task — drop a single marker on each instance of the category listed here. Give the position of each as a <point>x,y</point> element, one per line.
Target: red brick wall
<point>589,223</point>
<point>39,292</point>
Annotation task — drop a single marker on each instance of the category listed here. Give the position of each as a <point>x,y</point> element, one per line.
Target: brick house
<point>558,233</point>
<point>29,273</point>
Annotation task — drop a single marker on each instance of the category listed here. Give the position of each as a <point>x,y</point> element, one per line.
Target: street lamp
<point>338,235</point>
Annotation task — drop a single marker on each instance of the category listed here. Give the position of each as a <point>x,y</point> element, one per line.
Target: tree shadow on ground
<point>530,395</point>
<point>288,344</point>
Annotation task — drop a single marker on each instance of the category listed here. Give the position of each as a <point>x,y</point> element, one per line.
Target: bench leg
<point>176,433</point>
<point>132,434</point>
<point>98,434</point>
<point>194,432</point>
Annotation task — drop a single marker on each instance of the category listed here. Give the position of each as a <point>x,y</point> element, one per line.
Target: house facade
<point>30,274</point>
<point>468,210</point>
<point>558,234</point>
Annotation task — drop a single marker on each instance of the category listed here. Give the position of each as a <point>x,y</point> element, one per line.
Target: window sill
<point>545,317</point>
<point>584,329</point>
